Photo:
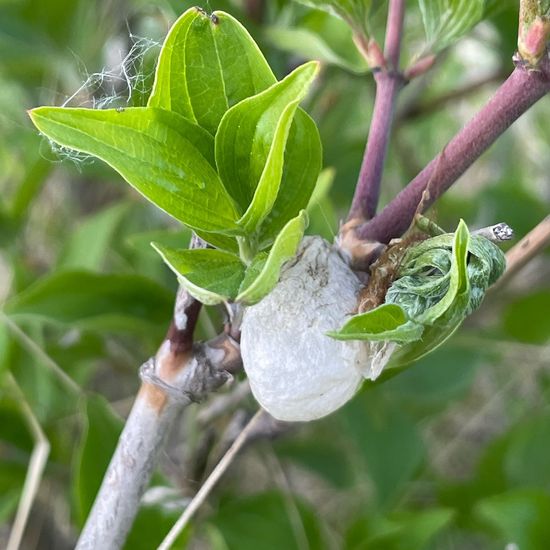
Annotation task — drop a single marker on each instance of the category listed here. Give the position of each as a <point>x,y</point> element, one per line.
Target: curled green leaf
<point>439,282</point>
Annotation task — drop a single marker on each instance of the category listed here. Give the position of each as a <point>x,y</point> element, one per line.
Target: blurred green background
<point>452,454</point>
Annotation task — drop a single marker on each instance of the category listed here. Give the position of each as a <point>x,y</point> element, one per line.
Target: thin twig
<point>523,252</point>
<point>388,83</point>
<point>222,404</point>
<point>37,463</point>
<point>518,93</point>
<point>394,32</point>
<point>210,483</point>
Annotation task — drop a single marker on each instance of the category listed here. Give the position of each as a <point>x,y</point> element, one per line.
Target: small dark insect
<point>119,109</point>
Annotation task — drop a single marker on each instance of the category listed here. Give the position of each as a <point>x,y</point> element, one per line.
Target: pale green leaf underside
<point>208,64</point>
<point>161,154</point>
<point>263,274</point>
<point>211,276</point>
<point>219,240</point>
<point>246,134</point>
<point>445,21</point>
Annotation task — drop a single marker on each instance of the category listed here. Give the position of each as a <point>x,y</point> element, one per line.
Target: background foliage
<point>451,454</point>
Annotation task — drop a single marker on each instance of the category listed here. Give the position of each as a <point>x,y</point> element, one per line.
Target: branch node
<point>147,373</point>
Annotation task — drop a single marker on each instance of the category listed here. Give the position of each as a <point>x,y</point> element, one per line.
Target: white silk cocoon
<point>296,371</point>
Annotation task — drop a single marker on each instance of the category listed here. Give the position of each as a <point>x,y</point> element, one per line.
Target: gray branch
<point>181,373</point>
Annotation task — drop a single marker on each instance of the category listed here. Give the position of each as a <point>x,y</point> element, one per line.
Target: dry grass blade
<point>210,483</point>
<point>37,463</point>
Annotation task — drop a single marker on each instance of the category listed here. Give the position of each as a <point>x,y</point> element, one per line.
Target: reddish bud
<point>422,66</point>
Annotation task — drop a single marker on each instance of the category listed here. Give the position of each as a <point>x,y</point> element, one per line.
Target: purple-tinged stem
<point>388,83</point>
<point>518,93</point>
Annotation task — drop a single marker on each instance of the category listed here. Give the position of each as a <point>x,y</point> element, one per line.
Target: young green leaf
<point>211,276</point>
<point>386,322</point>
<point>164,156</point>
<point>251,140</point>
<point>270,180</point>
<point>228,69</point>
<point>263,273</point>
<point>303,162</point>
<point>445,21</point>
<point>207,65</point>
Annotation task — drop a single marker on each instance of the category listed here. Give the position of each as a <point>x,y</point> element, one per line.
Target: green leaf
<point>211,276</point>
<point>207,65</point>
<point>526,461</point>
<point>437,378</point>
<point>439,282</point>
<point>217,240</point>
<point>152,523</point>
<point>8,503</point>
<point>320,36</point>
<point>400,531</point>
<point>165,157</point>
<point>354,12</point>
<point>97,444</point>
<point>250,144</point>
<point>323,219</point>
<point>272,521</point>
<point>266,269</point>
<point>12,479</point>
<point>230,67</point>
<point>388,443</point>
<point>303,161</point>
<point>386,322</point>
<point>320,453</point>
<point>89,244</point>
<point>520,516</point>
<point>527,319</point>
<point>444,315</point>
<point>445,21</point>
<point>126,303</point>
